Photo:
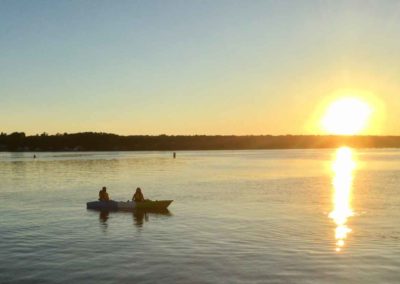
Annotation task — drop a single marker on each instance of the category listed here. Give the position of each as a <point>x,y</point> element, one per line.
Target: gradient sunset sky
<point>195,67</point>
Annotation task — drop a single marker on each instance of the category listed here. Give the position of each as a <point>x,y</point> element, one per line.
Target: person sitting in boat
<point>138,196</point>
<point>103,195</point>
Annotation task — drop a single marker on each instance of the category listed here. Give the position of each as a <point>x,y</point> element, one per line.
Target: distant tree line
<point>90,141</point>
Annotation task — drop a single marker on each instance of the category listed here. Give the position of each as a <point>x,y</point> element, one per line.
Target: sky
<point>195,67</point>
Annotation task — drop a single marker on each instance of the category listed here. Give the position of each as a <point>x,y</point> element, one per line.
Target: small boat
<point>129,205</point>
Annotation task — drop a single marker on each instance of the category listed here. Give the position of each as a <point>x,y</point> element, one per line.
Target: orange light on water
<point>343,167</point>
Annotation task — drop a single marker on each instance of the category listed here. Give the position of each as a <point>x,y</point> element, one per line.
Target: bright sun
<point>346,116</point>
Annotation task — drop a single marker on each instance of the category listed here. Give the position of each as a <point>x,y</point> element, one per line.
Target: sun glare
<point>346,116</point>
<point>343,168</point>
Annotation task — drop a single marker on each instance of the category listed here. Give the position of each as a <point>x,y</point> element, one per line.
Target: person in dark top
<point>103,195</point>
<point>138,196</point>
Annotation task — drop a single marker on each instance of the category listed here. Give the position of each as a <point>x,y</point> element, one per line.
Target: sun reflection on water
<point>343,167</point>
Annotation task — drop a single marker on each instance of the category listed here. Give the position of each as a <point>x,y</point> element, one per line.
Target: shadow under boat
<point>104,215</point>
<point>140,216</point>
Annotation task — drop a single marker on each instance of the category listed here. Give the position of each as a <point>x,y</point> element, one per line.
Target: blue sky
<point>192,67</point>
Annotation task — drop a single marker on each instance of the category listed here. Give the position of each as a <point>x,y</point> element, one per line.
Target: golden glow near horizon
<point>343,167</point>
<point>346,116</point>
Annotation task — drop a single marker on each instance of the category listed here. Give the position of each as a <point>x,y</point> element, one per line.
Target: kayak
<point>129,205</point>
<point>102,205</point>
<point>144,205</point>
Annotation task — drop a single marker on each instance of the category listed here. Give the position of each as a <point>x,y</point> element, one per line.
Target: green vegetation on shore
<point>90,141</point>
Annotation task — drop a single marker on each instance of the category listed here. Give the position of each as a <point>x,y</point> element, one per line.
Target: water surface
<point>273,216</point>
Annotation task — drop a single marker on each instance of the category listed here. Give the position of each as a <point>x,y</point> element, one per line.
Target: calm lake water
<point>273,216</point>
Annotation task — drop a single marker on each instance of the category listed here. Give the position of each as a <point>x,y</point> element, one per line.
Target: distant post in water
<point>174,155</point>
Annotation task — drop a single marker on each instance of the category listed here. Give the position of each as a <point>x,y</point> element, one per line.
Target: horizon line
<point>191,135</point>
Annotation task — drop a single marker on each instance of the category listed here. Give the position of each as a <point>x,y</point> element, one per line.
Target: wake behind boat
<point>129,205</point>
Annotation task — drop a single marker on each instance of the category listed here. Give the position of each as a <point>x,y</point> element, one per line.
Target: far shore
<point>91,141</point>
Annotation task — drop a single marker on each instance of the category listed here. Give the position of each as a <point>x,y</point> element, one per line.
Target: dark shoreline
<point>90,141</point>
